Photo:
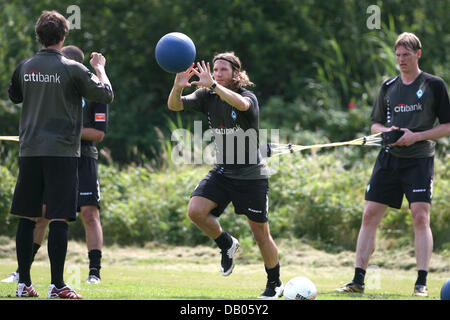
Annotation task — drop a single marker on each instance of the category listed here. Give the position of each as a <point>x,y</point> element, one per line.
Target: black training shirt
<point>50,88</point>
<point>416,107</point>
<point>95,115</point>
<point>235,133</point>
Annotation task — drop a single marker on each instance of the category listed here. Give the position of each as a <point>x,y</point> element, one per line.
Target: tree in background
<point>318,58</point>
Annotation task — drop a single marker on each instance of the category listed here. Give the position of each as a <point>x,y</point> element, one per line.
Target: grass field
<point>183,273</point>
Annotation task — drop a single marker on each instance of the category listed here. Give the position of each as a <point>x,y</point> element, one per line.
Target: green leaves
<point>314,197</point>
<point>319,52</point>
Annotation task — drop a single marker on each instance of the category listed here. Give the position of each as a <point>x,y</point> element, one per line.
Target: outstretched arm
<point>229,96</point>
<point>181,81</point>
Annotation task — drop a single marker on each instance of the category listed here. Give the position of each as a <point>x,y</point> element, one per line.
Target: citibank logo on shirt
<point>408,108</point>
<point>35,76</point>
<point>223,130</point>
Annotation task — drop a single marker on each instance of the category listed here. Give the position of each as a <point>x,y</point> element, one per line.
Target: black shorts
<point>393,177</point>
<point>249,197</point>
<point>54,179</point>
<point>89,188</point>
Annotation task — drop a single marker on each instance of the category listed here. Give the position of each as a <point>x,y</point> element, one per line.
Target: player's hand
<point>97,60</point>
<point>182,78</point>
<point>203,73</point>
<point>407,139</point>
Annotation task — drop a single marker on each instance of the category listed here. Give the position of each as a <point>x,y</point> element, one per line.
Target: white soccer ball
<point>300,288</point>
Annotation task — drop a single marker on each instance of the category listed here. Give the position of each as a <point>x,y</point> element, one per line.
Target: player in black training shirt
<point>95,122</point>
<point>51,88</point>
<point>239,176</point>
<point>410,102</point>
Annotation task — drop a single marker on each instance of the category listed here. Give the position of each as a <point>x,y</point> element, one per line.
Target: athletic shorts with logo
<point>393,177</point>
<point>89,188</point>
<point>54,179</point>
<point>249,197</point>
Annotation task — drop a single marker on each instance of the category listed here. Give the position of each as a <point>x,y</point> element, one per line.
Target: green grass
<point>174,273</point>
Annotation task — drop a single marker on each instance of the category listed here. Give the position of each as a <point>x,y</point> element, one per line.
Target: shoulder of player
<point>432,79</point>
<point>73,65</point>
<point>21,69</point>
<point>28,64</point>
<point>23,62</point>
<point>390,81</point>
<point>248,94</point>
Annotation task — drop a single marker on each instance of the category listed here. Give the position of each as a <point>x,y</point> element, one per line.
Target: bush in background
<point>315,197</point>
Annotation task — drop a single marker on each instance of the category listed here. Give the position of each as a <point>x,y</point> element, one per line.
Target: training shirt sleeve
<point>442,102</point>
<point>378,114</point>
<point>101,116</point>
<point>15,88</point>
<point>89,86</point>
<point>195,101</point>
<point>253,110</point>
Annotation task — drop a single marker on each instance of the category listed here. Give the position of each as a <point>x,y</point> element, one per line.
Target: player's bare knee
<point>90,215</point>
<point>371,217</point>
<point>421,219</point>
<point>196,213</point>
<point>41,223</point>
<point>261,235</point>
<point>420,214</point>
<point>266,242</point>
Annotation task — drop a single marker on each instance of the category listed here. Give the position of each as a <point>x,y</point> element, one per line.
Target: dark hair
<point>240,78</point>
<point>409,41</point>
<point>51,28</point>
<point>74,53</point>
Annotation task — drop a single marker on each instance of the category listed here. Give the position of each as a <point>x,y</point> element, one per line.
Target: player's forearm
<point>440,131</point>
<point>174,102</point>
<point>232,98</point>
<point>378,127</point>
<point>91,134</point>
<point>102,76</point>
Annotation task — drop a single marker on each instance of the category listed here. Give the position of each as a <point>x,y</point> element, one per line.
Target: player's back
<point>51,88</point>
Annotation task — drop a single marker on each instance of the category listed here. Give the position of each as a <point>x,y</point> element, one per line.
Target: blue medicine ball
<point>175,52</point>
<point>445,291</point>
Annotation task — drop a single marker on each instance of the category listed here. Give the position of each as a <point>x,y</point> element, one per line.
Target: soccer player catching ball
<point>239,175</point>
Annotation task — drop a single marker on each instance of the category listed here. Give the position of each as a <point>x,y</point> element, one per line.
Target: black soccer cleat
<point>273,290</point>
<point>227,262</point>
<point>352,287</point>
<point>420,291</point>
